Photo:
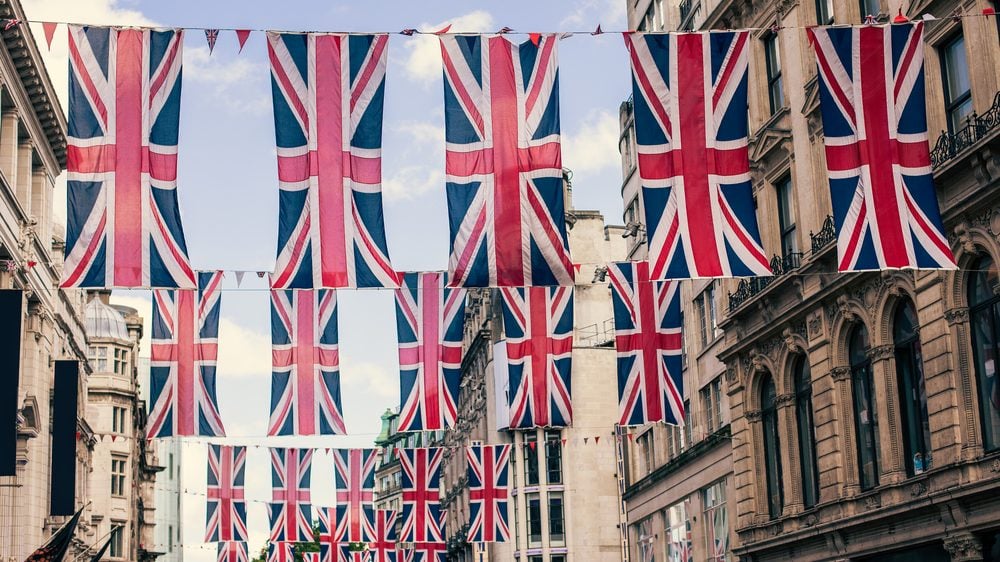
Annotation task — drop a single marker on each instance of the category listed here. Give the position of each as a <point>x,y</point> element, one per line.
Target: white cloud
<point>425,144</point>
<point>423,60</point>
<point>608,13</point>
<point>594,146</point>
<point>409,182</point>
<point>231,81</point>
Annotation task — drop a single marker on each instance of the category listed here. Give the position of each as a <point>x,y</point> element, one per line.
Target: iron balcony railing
<point>826,236</point>
<point>949,145</point>
<point>750,287</point>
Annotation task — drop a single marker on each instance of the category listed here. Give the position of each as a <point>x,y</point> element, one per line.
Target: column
<point>41,207</point>
<point>22,181</point>
<point>964,547</point>
<point>9,124</point>
<point>842,384</point>
<point>886,395</point>
<point>789,454</point>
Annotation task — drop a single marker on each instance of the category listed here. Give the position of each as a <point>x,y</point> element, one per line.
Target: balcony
<point>753,286</point>
<point>826,236</point>
<point>950,145</point>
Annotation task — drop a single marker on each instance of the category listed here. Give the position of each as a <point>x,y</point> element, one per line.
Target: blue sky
<point>227,181</point>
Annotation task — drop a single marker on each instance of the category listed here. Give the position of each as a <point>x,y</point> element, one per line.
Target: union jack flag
<point>311,557</point>
<point>383,545</point>
<point>305,364</point>
<point>328,92</point>
<point>355,475</point>
<point>232,551</point>
<point>429,323</point>
<point>421,500</point>
<point>345,554</point>
<point>875,128</point>
<point>184,348</point>
<point>538,325</point>
<point>329,547</point>
<point>690,92</point>
<point>648,340</point>
<point>280,551</point>
<point>226,507</point>
<point>488,493</point>
<point>123,225</point>
<point>291,511</point>
<point>503,162</point>
<point>427,552</point>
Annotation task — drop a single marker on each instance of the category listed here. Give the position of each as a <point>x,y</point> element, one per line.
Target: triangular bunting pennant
<point>531,444</point>
<point>597,31</point>
<point>597,439</point>
<point>535,38</point>
<point>443,30</point>
<point>586,440</point>
<point>50,31</point>
<point>242,35</point>
<point>211,35</point>
<point>239,277</point>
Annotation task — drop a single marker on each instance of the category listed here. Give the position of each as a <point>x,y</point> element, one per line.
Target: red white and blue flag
<point>503,162</point>
<point>328,91</point>
<point>305,364</point>
<point>421,497</point>
<point>232,551</point>
<point>354,470</point>
<point>291,510</point>
<point>429,551</point>
<point>878,162</point>
<point>648,341</point>
<point>429,323</point>
<point>226,517</point>
<point>690,96</point>
<point>123,225</point>
<point>329,547</point>
<point>345,554</point>
<point>383,545</point>
<point>538,326</point>
<point>280,551</point>
<point>184,348</point>
<point>488,493</point>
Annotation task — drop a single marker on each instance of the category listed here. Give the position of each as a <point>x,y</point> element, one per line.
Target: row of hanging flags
<point>503,158</point>
<point>354,519</point>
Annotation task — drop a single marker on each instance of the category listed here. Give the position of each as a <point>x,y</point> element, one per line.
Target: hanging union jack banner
<point>328,91</point>
<point>648,340</point>
<point>280,551</point>
<point>429,324</point>
<point>488,493</point>
<point>184,348</point>
<point>503,162</point>
<point>123,226</point>
<point>421,499</point>
<point>383,545</point>
<point>226,506</point>
<point>305,364</point>
<point>538,325</point>
<point>345,554</point>
<point>875,129</point>
<point>690,92</point>
<point>291,511</point>
<point>354,470</point>
<point>232,551</point>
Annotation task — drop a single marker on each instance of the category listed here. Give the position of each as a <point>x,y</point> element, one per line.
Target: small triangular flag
<point>239,277</point>
<point>629,437</point>
<point>535,38</point>
<point>443,30</point>
<point>504,30</point>
<point>532,445</point>
<point>210,36</point>
<point>408,32</point>
<point>597,31</point>
<point>928,17</point>
<point>564,442</point>
<point>597,439</point>
<point>49,28</point>
<point>114,438</point>
<point>260,274</point>
<point>242,35</point>
<point>586,440</point>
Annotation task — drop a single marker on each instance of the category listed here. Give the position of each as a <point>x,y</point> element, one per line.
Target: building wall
<point>584,482</point>
<point>32,154</point>
<point>806,313</point>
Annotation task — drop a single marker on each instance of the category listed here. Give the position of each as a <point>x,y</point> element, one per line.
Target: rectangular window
<point>648,451</point>
<point>707,406</point>
<point>535,558</point>
<point>869,8</point>
<point>117,547</point>
<point>957,91</point>
<point>121,361</point>
<point>773,59</point>
<point>626,145</point>
<point>170,458</point>
<point>170,538</point>
<point>534,519</point>
<point>713,318</point>
<point>557,527</point>
<point>824,12</point>
<point>118,417</point>
<point>702,323</point>
<point>684,342</point>
<point>647,540</point>
<point>687,424</point>
<point>678,532</point>
<point>558,558</point>
<point>118,476</point>
<point>553,456</point>
<point>786,216</point>
<point>716,522</point>
<point>98,358</point>
<point>531,459</point>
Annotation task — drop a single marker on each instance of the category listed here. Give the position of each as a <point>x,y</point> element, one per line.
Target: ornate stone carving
<point>918,489</point>
<point>964,547</point>
<point>775,529</point>
<point>956,316</point>
<point>790,343</point>
<point>873,501</point>
<point>840,373</point>
<point>758,363</point>
<point>880,352</point>
<point>963,236</point>
<point>784,399</point>
<point>752,415</point>
<point>844,309</point>
<point>809,520</point>
<point>730,374</point>
<point>815,323</point>
<point>995,465</point>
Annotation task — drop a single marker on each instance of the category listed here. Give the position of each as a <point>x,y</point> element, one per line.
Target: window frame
<point>710,510</point>
<point>773,69</point>
<point>862,374</point>
<point>532,520</point>
<point>532,469</point>
<point>553,456</point>
<point>806,426</point>
<point>914,418</point>
<point>986,309</point>
<point>118,476</point>
<point>952,103</point>
<point>863,8</point>
<point>825,8</point>
<point>117,547</point>
<point>785,197</point>
<point>772,447</point>
<point>557,505</point>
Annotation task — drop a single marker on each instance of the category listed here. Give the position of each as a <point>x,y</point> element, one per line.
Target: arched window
<point>807,436</point>
<point>984,320</point>
<point>865,419</point>
<point>772,447</point>
<point>912,394</point>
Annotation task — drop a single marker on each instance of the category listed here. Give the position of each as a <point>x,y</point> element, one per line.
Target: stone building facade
<point>124,463</point>
<point>32,155</point>
<point>863,407</point>
<point>559,480</point>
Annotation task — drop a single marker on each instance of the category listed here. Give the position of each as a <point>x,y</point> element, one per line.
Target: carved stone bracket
<point>881,352</point>
<point>752,415</point>
<point>844,309</point>
<point>873,501</point>
<point>840,373</point>
<point>964,237</point>
<point>964,547</point>
<point>784,399</point>
<point>956,316</point>
<point>790,343</point>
